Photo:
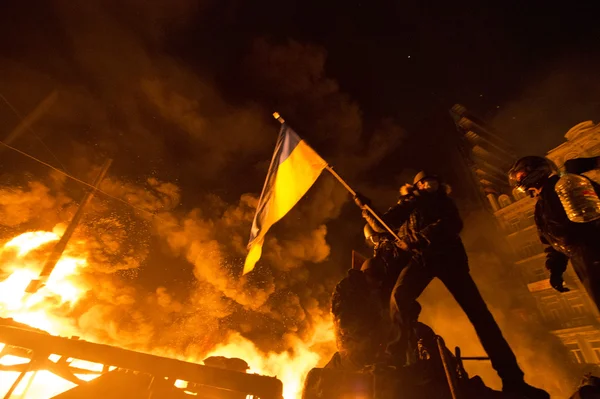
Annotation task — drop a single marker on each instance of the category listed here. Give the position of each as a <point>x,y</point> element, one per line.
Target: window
<point>504,201</point>
<point>596,348</point>
<point>552,309</point>
<point>578,309</point>
<point>518,194</point>
<point>530,249</point>
<point>576,305</point>
<point>576,354</point>
<point>514,225</point>
<point>529,219</point>
<point>538,273</point>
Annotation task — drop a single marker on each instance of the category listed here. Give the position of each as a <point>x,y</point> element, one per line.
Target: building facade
<point>485,160</point>
<point>484,156</point>
<point>571,316</point>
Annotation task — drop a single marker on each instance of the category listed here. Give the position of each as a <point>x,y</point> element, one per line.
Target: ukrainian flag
<point>294,169</point>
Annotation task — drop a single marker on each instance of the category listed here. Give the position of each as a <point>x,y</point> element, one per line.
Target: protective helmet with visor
<point>530,173</point>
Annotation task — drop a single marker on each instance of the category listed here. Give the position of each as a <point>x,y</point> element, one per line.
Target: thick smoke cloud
<point>540,354</point>
<point>193,155</point>
<point>178,143</point>
<point>564,94</point>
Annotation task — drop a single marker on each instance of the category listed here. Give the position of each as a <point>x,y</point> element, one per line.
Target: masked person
<point>430,233</point>
<point>579,242</point>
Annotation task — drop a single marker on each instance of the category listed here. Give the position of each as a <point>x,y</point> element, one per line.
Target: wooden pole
<point>64,240</point>
<point>329,168</point>
<point>31,118</point>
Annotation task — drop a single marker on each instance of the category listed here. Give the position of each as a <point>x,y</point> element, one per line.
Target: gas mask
<point>428,185</point>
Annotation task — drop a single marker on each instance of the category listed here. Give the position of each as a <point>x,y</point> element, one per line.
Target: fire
<point>23,257</point>
<point>36,309</point>
<point>30,241</point>
<point>61,288</point>
<point>291,369</point>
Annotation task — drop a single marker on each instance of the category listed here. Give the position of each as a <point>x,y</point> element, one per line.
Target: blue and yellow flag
<point>294,169</point>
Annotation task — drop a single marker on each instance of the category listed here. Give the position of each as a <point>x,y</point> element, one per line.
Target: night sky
<point>182,92</point>
<point>528,68</point>
<point>412,61</point>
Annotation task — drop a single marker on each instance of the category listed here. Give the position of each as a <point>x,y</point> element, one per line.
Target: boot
<point>521,389</point>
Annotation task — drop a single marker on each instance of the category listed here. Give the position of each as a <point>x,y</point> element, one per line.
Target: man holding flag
<point>294,168</point>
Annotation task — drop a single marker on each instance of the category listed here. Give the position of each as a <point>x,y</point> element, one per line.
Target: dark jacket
<point>430,224</point>
<point>563,237</point>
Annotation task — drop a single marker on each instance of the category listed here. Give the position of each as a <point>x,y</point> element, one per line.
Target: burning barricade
<point>36,363</point>
<point>126,373</point>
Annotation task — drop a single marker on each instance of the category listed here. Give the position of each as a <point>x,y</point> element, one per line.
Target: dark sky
<point>527,68</point>
<point>404,60</point>
<point>182,91</point>
<point>413,60</point>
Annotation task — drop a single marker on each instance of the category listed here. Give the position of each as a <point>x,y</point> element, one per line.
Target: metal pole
<point>64,240</point>
<point>367,207</point>
<point>29,384</point>
<point>329,168</point>
<point>20,377</point>
<point>447,369</point>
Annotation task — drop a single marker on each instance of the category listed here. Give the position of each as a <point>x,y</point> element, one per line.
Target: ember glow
<point>22,258</point>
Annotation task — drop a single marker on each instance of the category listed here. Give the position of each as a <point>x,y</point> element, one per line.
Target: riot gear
<point>529,173</point>
<point>422,175</point>
<point>371,237</point>
<point>565,239</point>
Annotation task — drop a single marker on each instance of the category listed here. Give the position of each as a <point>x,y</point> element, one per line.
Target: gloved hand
<point>361,201</point>
<point>412,243</point>
<point>406,189</point>
<point>409,245</point>
<point>403,245</point>
<point>366,214</point>
<point>557,282</point>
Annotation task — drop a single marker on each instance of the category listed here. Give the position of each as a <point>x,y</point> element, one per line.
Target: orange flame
<point>19,258</point>
<point>291,369</point>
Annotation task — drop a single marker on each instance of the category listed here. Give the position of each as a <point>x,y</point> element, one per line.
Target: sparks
<point>23,259</point>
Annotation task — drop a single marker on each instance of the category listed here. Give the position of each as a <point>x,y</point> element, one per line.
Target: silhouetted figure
<point>579,242</point>
<point>429,225</point>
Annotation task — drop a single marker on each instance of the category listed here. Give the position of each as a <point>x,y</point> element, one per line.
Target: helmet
<point>531,172</point>
<point>422,175</point>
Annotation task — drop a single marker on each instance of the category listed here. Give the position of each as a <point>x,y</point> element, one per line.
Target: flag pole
<point>277,116</point>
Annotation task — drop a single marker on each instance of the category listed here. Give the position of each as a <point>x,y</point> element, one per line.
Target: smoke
<point>19,205</point>
<point>539,353</point>
<point>563,94</point>
<point>190,153</point>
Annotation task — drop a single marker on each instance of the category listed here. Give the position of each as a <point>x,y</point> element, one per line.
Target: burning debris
<point>58,250</point>
<point>54,309</point>
<point>118,90</point>
<point>38,346</point>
